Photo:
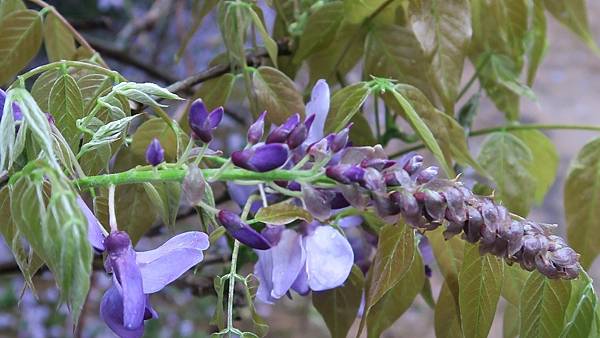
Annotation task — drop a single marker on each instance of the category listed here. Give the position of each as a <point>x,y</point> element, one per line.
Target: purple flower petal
<point>95,234</point>
<point>202,122</point>
<point>111,311</point>
<point>261,158</point>
<point>288,260</point>
<point>242,231</point>
<point>155,154</point>
<point>128,277</point>
<point>301,283</point>
<point>318,105</point>
<point>169,261</point>
<point>281,133</point>
<point>215,117</point>
<point>329,258</point>
<point>257,129</point>
<point>263,270</point>
<point>316,202</point>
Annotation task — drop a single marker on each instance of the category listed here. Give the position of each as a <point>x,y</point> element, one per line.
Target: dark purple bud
<point>435,205</point>
<point>202,122</point>
<point>398,178</point>
<point>297,136</point>
<point>407,202</point>
<point>514,237</point>
<point>281,133</point>
<point>242,231</point>
<point>257,129</point>
<point>117,241</point>
<point>155,154</point>
<point>261,158</point>
<point>456,211</point>
<point>452,229</point>
<point>308,122</point>
<point>414,163</point>
<point>427,174</point>
<point>336,172</point>
<point>294,186</point>
<point>355,174</point>
<point>340,140</point>
<point>377,163</point>
<point>473,225</point>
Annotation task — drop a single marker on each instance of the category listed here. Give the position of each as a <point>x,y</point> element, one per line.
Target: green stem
<point>177,174</point>
<point>232,273</point>
<point>486,131</point>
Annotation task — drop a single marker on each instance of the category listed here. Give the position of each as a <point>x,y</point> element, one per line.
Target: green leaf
<point>512,285</point>
<point>423,131</point>
<point>218,318</point>
<point>59,41</point>
<point>49,218</point>
<point>581,198</point>
<point>165,197</point>
<point>543,305</point>
<point>394,52</point>
<point>339,306</point>
<point>42,86</point>
<point>447,315</point>
<point>270,44</point>
<point>449,256</point>
<point>94,162</point>
<point>573,14</point>
<point>66,106</point>
<point>510,322</point>
<point>233,23</point>
<point>357,11</point>
<point>545,160</point>
<point>282,214</point>
<point>580,311</point>
<point>446,130</point>
<point>320,29</point>
<point>260,327</point>
<point>395,254</point>
<point>108,133</point>
<point>93,86</point>
<point>20,40</point>
<point>361,133</point>
<point>444,30</point>
<point>9,6</point>
<point>507,159</point>
<point>144,93</point>
<point>480,280</point>
<point>539,41</point>
<point>396,301</point>
<point>154,128</point>
<point>277,94</point>
<point>345,103</point>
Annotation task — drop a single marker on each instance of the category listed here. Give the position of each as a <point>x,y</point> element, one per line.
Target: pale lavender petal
<point>263,270</point>
<point>166,263</point>
<point>111,311</point>
<point>301,283</point>
<point>128,277</point>
<point>95,234</point>
<point>318,105</point>
<point>288,260</point>
<point>329,258</point>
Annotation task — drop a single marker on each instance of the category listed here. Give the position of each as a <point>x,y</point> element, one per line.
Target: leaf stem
<point>232,275</point>
<point>490,130</point>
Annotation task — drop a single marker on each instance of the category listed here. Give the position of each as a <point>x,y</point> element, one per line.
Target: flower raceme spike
<point>155,154</point>
<point>203,122</point>
<point>261,157</point>
<point>242,231</point>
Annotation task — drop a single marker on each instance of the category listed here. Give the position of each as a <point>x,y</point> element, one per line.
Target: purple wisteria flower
<point>202,122</point>
<point>155,153</point>
<point>242,231</point>
<point>261,157</point>
<point>319,106</point>
<point>126,304</point>
<point>257,129</point>
<point>318,259</point>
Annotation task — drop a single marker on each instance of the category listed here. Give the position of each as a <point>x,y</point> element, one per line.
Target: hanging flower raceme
<point>317,258</point>
<point>202,122</point>
<point>126,304</point>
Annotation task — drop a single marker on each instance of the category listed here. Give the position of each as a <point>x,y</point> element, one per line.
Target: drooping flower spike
<point>126,304</point>
<point>202,122</point>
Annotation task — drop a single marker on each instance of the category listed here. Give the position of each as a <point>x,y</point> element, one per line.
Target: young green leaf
<point>396,301</point>
<point>512,284</point>
<point>277,94</point>
<point>93,86</point>
<point>447,315</point>
<point>580,311</point>
<point>510,321</point>
<point>423,131</point>
<point>42,86</point>
<point>320,29</point>
<point>154,128</point>
<point>260,327</point>
<point>539,41</point>
<point>270,44</point>
<point>234,20</point>
<point>108,133</point>
<point>165,197</point>
<point>581,198</point>
<point>66,106</point>
<point>339,306</point>
<point>480,281</point>
<point>282,214</point>
<point>59,41</point>
<point>345,103</point>
<point>449,256</point>
<point>543,305</point>
<point>20,40</point>
<point>573,14</point>
<point>9,6</point>
<point>444,30</point>
<point>507,159</point>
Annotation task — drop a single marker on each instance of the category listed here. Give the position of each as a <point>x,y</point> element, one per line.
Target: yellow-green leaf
<point>573,14</point>
<point>282,213</point>
<point>277,94</point>
<point>66,106</point>
<point>447,315</point>
<point>154,128</point>
<point>320,30</point>
<point>345,103</point>
<point>59,41</point>
<point>581,309</point>
<point>20,40</point>
<point>581,198</point>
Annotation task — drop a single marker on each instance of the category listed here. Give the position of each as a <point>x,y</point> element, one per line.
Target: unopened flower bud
<point>155,154</point>
<point>297,136</point>
<point>281,133</point>
<point>261,158</point>
<point>116,242</point>
<point>257,129</point>
<point>427,174</point>
<point>340,140</point>
<point>318,150</point>
<point>242,231</point>
<point>202,123</point>
<point>414,163</point>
